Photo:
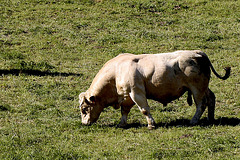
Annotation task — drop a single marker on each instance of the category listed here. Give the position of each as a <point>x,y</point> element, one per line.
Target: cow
<point>130,79</point>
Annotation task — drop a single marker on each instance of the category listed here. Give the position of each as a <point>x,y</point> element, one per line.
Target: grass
<point>51,50</point>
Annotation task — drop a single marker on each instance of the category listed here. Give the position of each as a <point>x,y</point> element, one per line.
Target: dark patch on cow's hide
<point>136,60</point>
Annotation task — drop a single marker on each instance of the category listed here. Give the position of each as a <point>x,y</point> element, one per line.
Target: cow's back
<point>165,76</point>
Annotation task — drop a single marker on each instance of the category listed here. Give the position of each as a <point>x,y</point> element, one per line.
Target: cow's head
<point>90,109</point>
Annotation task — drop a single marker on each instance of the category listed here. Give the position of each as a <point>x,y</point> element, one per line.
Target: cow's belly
<point>165,92</point>
<point>166,83</point>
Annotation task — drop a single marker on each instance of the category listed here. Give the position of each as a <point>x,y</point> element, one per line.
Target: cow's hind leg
<point>201,101</point>
<point>141,101</point>
<point>211,105</point>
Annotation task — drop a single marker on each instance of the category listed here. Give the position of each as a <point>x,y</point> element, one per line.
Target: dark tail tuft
<point>227,74</point>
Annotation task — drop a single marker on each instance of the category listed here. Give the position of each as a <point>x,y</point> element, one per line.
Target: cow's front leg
<point>141,102</point>
<point>126,106</point>
<point>150,120</point>
<point>124,112</point>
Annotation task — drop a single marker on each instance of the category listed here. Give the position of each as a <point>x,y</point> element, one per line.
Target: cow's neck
<point>105,92</point>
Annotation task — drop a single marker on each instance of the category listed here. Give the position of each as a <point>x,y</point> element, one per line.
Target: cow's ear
<point>92,99</point>
<point>81,98</point>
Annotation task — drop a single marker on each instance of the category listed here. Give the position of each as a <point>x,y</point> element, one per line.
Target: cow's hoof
<point>120,125</point>
<point>211,120</point>
<point>151,127</point>
<point>193,123</point>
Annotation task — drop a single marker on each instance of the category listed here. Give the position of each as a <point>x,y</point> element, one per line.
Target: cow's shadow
<point>18,72</point>
<point>222,121</point>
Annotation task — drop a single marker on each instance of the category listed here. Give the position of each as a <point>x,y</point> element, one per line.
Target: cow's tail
<point>227,74</point>
<point>227,69</point>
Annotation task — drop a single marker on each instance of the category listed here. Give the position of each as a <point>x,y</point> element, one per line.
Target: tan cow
<point>132,79</point>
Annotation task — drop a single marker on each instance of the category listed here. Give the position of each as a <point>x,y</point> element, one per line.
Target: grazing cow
<point>132,79</point>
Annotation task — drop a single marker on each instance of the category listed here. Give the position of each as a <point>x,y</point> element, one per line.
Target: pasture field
<point>52,49</point>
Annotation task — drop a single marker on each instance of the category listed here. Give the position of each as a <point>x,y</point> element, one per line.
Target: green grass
<point>51,50</point>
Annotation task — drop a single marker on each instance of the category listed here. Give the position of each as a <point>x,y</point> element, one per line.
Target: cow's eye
<point>84,110</point>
